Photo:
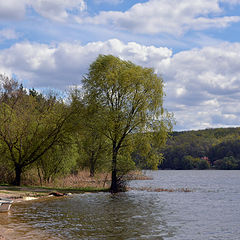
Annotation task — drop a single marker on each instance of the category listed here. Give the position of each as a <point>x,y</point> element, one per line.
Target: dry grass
<point>149,189</point>
<point>83,180</point>
<point>137,175</point>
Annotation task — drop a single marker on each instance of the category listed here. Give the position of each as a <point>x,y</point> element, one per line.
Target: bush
<point>203,164</point>
<point>227,163</point>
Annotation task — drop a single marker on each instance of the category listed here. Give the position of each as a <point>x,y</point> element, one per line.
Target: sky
<point>193,45</point>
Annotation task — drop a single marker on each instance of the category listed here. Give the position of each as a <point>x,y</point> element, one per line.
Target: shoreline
<point>31,194</point>
<point>17,196</point>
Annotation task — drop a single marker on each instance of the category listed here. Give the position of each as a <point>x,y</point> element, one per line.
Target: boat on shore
<point>5,204</point>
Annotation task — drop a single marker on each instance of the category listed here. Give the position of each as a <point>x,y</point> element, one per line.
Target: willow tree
<point>130,101</point>
<point>29,126</point>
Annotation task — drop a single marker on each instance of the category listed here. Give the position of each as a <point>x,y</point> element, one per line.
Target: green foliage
<point>93,151</point>
<point>129,99</point>
<point>59,160</point>
<point>93,146</point>
<point>225,149</point>
<point>203,164</point>
<point>227,163</point>
<point>30,125</point>
<point>125,163</point>
<point>211,144</point>
<point>6,171</point>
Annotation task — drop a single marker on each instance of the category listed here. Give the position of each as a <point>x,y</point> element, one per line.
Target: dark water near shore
<point>211,210</point>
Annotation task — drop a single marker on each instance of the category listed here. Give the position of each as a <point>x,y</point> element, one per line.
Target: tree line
<point>211,148</point>
<point>117,111</point>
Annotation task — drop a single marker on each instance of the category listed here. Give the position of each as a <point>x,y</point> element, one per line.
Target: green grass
<point>49,189</point>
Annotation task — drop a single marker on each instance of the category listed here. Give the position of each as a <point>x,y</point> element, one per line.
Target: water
<point>211,210</point>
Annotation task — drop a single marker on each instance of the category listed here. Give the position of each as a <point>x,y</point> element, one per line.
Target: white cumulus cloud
<point>163,16</point>
<point>65,64</point>
<point>58,10</point>
<point>12,9</point>
<point>173,17</point>
<point>202,85</point>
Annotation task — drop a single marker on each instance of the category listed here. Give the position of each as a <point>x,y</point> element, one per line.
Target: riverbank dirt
<point>18,194</point>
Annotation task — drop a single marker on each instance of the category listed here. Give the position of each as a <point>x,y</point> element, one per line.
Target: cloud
<point>8,34</point>
<point>202,85</point>
<point>12,9</point>
<point>65,64</point>
<point>216,68</point>
<point>162,16</point>
<point>174,17</point>
<point>58,10</point>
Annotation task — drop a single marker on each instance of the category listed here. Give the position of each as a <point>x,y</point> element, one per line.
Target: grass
<point>72,189</point>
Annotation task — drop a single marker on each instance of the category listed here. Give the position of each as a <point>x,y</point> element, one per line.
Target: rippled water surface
<point>211,210</point>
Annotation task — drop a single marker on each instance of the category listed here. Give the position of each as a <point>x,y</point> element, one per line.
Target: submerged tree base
<point>121,186</point>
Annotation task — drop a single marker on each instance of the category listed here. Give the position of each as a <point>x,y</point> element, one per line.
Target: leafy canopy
<point>129,99</point>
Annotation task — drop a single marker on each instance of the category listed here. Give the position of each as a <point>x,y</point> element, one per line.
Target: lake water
<point>210,210</point>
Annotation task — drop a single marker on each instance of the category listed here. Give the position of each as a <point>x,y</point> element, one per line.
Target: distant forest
<point>211,148</point>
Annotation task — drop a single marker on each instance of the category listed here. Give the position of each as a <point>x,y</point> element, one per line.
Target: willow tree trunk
<point>114,184</point>
<point>92,170</point>
<point>18,173</point>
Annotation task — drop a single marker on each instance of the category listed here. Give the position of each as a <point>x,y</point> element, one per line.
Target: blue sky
<point>194,45</point>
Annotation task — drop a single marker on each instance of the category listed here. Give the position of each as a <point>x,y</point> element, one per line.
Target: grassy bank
<point>25,193</point>
<point>74,183</point>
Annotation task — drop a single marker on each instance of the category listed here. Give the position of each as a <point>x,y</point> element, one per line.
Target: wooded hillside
<point>218,148</point>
